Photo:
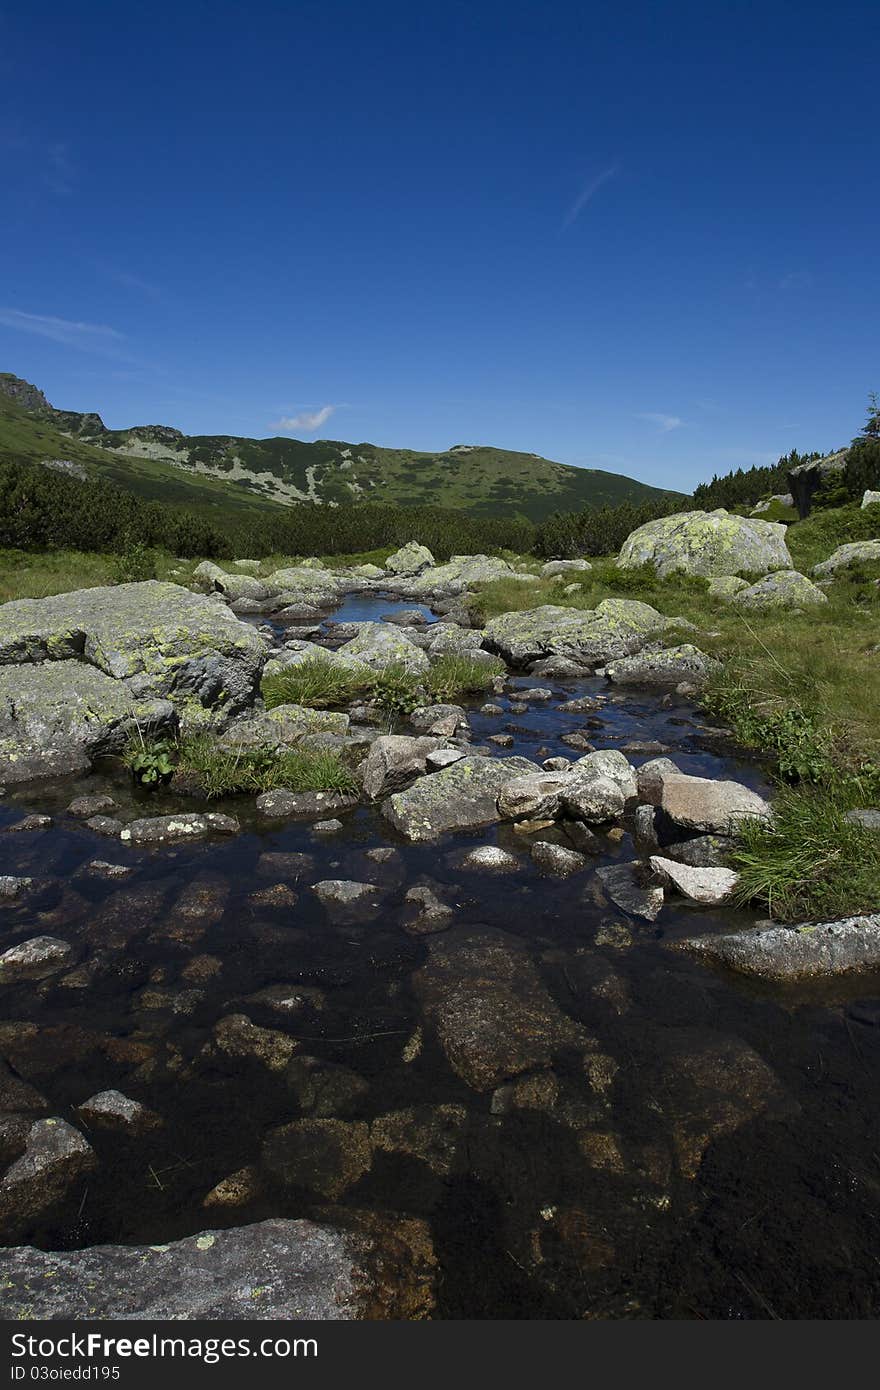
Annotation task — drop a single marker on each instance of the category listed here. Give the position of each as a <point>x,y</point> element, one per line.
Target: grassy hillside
<point>248,475</point>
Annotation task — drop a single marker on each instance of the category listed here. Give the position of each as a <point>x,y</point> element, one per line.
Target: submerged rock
<point>56,1156</point>
<point>556,859</point>
<point>623,886</point>
<point>156,830</point>
<point>791,954</point>
<point>492,1012</point>
<point>380,1268</point>
<point>285,804</point>
<point>323,1156</point>
<point>113,1110</point>
<point>707,543</point>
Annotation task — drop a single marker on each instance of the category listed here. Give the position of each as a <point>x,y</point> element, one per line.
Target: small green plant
<point>396,690</point>
<point>152,763</point>
<point>134,563</point>
<point>794,735</point>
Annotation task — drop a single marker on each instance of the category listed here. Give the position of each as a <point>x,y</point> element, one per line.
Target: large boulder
<point>709,806</point>
<point>855,553</point>
<point>784,589</point>
<point>706,544</point>
<point>588,637</point>
<point>378,645</point>
<point>57,715</point>
<point>410,560</point>
<point>56,1156</point>
<point>459,797</point>
<point>285,726</point>
<point>304,586</point>
<point>379,1268</point>
<point>163,641</point>
<point>460,574</point>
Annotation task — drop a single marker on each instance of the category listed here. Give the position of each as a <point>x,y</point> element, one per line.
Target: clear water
<point>719,1160</point>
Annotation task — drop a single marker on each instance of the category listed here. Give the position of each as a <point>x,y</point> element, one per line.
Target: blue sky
<point>641,237</point>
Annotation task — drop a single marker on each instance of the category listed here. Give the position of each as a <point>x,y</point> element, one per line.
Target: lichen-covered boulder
<point>784,589</point>
<point>705,544</point>
<point>724,586</point>
<point>163,641</point>
<point>304,585</point>
<point>394,761</point>
<point>557,567</point>
<point>285,726</point>
<point>855,553</point>
<point>459,797</point>
<point>788,954</point>
<point>410,559</point>
<point>460,574</point>
<point>668,667</point>
<point>366,1266</point>
<point>615,628</point>
<point>377,645</point>
<point>57,715</point>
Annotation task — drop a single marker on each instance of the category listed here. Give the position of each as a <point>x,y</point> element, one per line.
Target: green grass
<point>230,772</point>
<point>318,683</point>
<point>38,574</point>
<point>453,678</point>
<point>814,539</point>
<point>809,862</point>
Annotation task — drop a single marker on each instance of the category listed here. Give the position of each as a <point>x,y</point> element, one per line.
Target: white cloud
<point>91,337</point>
<point>307,420</point>
<point>586,194</point>
<point>664,423</point>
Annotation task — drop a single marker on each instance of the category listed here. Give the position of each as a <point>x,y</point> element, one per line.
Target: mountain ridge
<point>241,473</point>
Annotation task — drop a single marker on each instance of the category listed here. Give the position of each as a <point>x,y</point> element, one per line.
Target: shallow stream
<point>706,1149</point>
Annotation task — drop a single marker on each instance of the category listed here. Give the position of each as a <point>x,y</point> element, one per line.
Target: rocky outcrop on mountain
<point>805,480</point>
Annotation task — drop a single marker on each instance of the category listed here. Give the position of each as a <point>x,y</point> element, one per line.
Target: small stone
<point>433,914</point>
<point>444,757</point>
<point>84,807</point>
<point>490,859</point>
<point>490,709</point>
<point>556,764</point>
<point>35,959</point>
<point>708,887</point>
<point>623,888</point>
<point>501,740</point>
<point>344,892</point>
<point>326,1156</point>
<point>237,1036</point>
<point>113,1110</point>
<point>105,825</point>
<point>12,886</point>
<point>327,827</point>
<point>238,1190</point>
<point>556,860</point>
<point>867,817</point>
<point>34,822</point>
<point>102,868</point>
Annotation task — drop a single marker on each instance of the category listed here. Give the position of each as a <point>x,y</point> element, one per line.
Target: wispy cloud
<point>586,194</point>
<point>664,423</point>
<point>127,280</point>
<point>90,337</point>
<point>307,420</point>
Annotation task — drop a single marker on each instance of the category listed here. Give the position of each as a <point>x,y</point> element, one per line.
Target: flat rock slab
<point>492,1012</point>
<point>459,797</point>
<point>708,886</point>
<point>790,954</point>
<point>275,1269</point>
<point>710,806</point>
<point>285,804</point>
<point>615,628</point>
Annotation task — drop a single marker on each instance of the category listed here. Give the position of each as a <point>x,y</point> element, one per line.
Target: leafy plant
<point>232,771</point>
<point>153,763</point>
<point>397,690</point>
<point>134,563</point>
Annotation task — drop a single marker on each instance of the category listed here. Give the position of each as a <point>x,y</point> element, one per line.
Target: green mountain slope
<point>222,471</point>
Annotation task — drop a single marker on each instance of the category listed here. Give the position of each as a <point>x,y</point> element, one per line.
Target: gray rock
<point>704,804</point>
<point>105,825</point>
<point>55,1158</point>
<point>855,553</point>
<point>791,954</point>
<point>327,827</point>
<point>556,860</point>
<point>427,912</point>
<point>867,817</point>
<point>461,796</point>
<point>429,719</point>
<point>651,776</point>
<point>162,640</point>
<point>668,667</point>
<point>409,560</point>
<point>557,567</point>
<point>706,543</point>
<point>55,716</point>
<point>870,499</point>
<point>285,726</point>
<point>725,586</point>
<point>29,823</point>
<point>785,589</point>
<point>84,807</point>
<point>492,1013</point>
<point>13,885</point>
<point>709,887</point>
<point>443,757</point>
<point>645,836</point>
<point>275,1269</point>
<point>805,480</point>
<point>378,646</point>
<point>621,883</point>
<point>287,805</point>
<point>490,859</point>
<point>152,830</point>
<point>35,959</point>
<point>393,762</point>
<point>615,628</point>
<point>594,800</point>
<point>113,1110</point>
<point>702,852</point>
